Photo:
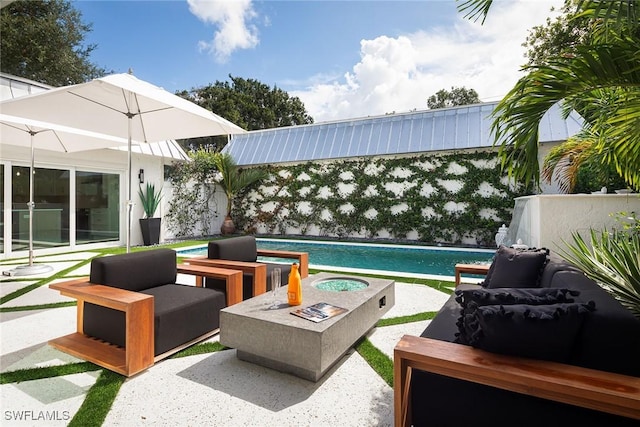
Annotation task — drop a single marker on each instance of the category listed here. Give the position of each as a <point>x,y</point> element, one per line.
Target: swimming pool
<point>411,261</point>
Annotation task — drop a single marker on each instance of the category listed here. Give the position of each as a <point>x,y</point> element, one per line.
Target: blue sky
<point>343,59</point>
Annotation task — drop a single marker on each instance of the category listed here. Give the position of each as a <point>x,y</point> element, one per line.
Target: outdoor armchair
<point>241,253</point>
<point>131,312</point>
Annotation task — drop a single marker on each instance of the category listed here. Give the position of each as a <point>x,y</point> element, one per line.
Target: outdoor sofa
<point>241,253</point>
<point>536,344</point>
<point>131,312</point>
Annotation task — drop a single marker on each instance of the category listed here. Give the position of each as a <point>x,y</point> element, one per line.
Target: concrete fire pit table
<point>277,339</point>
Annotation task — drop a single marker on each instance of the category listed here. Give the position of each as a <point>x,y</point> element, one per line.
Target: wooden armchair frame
<point>588,388</point>
<point>257,269</point>
<point>138,353</point>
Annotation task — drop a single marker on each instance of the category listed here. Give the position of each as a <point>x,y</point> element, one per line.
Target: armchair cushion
<point>135,271</point>
<point>181,314</point>
<point>516,268</point>
<point>243,248</point>
<point>536,331</point>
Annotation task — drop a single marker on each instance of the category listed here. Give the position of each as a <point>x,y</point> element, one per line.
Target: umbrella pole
<point>31,204</point>
<point>31,268</point>
<point>129,202</point>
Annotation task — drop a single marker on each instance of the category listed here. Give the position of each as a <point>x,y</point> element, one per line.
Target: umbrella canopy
<point>19,131</point>
<point>123,106</point>
<point>102,105</point>
<point>38,135</point>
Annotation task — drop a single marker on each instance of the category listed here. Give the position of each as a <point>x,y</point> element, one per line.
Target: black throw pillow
<point>516,268</point>
<point>508,296</point>
<point>545,332</point>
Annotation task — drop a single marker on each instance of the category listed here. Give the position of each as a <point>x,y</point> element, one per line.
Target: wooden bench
<point>602,391</point>
<point>481,269</point>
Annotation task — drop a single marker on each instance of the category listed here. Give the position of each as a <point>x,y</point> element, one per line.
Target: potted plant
<point>149,225</point>
<point>233,180</point>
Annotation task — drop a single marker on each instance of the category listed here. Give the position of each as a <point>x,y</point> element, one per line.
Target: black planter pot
<point>150,230</point>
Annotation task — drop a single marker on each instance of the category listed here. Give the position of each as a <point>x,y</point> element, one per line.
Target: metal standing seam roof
<point>455,128</point>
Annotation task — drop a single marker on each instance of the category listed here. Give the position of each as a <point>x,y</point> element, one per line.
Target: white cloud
<point>232,19</point>
<point>400,73</point>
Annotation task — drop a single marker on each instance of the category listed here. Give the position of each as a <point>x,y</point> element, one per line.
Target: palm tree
<point>606,70</point>
<point>233,180</point>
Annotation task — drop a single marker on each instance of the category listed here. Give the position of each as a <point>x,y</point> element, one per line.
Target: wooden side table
<point>470,269</point>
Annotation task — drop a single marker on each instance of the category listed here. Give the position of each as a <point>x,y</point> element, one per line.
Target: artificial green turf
<point>380,362</point>
<point>418,317</point>
<point>99,399</point>
<point>206,347</point>
<point>31,374</point>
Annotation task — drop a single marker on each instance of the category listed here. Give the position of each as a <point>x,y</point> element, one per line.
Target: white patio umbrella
<point>39,135</point>
<point>123,106</point>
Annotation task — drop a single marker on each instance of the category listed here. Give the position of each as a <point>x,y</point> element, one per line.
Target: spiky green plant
<point>612,260</point>
<point>150,199</point>
<point>233,178</point>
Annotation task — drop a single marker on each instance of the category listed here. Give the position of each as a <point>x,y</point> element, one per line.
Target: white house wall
<point>103,161</point>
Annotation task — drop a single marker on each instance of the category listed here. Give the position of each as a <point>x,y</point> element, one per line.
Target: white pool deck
<point>214,389</point>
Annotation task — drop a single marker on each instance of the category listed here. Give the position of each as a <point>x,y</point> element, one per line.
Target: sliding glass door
<point>97,201</point>
<point>51,208</point>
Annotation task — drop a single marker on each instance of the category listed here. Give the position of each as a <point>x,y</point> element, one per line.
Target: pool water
<point>420,260</point>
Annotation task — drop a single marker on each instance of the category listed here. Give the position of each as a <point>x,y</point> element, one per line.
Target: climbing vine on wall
<point>453,198</point>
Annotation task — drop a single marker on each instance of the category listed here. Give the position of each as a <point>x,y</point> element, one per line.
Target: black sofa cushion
<point>516,268</point>
<point>536,331</point>
<point>181,314</point>
<point>135,271</point>
<point>442,401</point>
<point>610,336</point>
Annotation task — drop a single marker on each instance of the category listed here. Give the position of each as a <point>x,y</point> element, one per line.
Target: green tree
<point>559,36</point>
<point>599,78</point>
<point>43,41</point>
<point>248,103</point>
<point>457,96</point>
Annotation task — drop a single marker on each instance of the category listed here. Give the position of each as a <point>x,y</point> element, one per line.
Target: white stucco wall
<point>103,161</point>
<point>548,220</point>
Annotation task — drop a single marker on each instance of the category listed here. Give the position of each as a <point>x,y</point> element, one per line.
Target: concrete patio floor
<point>214,389</point>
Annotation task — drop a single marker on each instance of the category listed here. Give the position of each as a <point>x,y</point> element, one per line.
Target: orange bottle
<point>294,290</point>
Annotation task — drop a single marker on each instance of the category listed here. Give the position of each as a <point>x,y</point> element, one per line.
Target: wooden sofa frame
<point>138,353</point>
<point>588,388</point>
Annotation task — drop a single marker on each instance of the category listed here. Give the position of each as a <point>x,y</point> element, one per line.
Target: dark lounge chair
<point>241,253</point>
<point>131,312</point>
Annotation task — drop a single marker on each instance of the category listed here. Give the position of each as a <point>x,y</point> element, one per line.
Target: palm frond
<point>610,17</point>
<point>517,116</point>
<point>565,159</point>
<point>474,9</point>
<point>233,179</point>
